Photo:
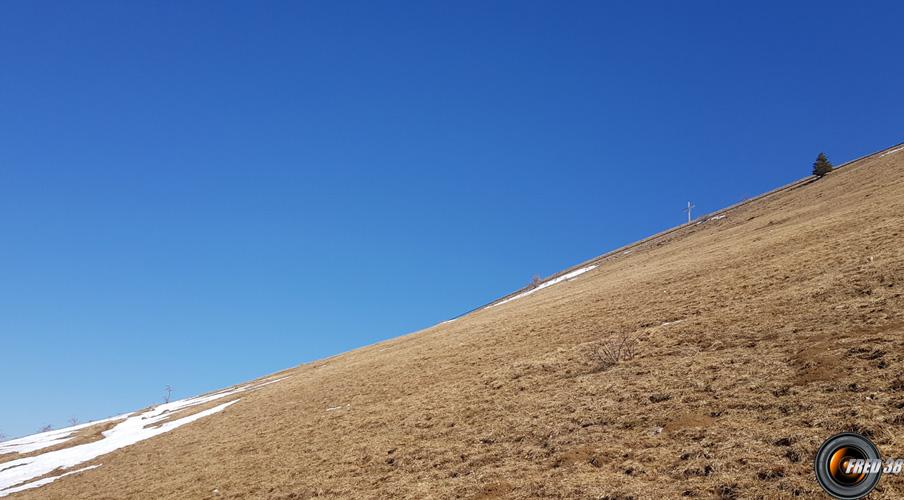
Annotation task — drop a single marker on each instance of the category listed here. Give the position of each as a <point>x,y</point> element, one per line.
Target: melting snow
<point>564,277</point>
<point>46,480</point>
<point>135,427</point>
<point>893,151</point>
<point>43,440</point>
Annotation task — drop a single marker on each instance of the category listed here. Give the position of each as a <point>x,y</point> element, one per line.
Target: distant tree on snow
<point>822,165</point>
<point>46,428</point>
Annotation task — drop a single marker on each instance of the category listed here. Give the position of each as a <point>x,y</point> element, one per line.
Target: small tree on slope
<point>822,165</point>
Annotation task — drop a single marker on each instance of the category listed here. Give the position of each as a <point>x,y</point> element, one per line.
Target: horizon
<point>195,198</point>
<point>489,303</point>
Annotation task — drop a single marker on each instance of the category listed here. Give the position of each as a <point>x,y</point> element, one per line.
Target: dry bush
<point>535,281</point>
<point>611,352</point>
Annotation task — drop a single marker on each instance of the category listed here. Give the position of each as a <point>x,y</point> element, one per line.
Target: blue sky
<point>199,193</point>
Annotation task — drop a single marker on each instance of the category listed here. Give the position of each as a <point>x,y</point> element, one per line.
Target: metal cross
<point>690,206</point>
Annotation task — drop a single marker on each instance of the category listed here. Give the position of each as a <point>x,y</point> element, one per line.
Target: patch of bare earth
<point>792,329</point>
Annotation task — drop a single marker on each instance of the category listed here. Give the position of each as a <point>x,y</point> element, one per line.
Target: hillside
<point>759,332</point>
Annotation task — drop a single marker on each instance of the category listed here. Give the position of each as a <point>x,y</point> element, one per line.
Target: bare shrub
<point>2,437</point>
<point>73,421</point>
<point>535,281</point>
<point>613,351</point>
<point>46,428</point>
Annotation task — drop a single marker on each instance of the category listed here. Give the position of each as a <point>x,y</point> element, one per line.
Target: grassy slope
<point>792,328</point>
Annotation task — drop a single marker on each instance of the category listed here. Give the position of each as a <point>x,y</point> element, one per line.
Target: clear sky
<point>200,193</point>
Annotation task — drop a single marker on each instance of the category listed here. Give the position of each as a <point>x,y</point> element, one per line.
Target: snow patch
<point>47,439</point>
<point>545,284</point>
<point>135,427</point>
<point>893,151</point>
<point>46,480</point>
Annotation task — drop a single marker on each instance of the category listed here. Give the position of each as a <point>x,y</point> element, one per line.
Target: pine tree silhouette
<point>822,165</point>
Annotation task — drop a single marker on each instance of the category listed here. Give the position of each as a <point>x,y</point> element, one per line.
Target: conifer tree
<point>822,165</point>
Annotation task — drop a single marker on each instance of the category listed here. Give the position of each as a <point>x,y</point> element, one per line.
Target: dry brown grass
<point>613,351</point>
<point>791,329</point>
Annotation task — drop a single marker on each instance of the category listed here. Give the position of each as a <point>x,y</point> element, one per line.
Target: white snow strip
<point>718,217</point>
<point>266,382</point>
<point>46,480</point>
<point>134,428</point>
<point>893,151</point>
<point>667,323</point>
<point>564,277</point>
<point>47,439</point>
